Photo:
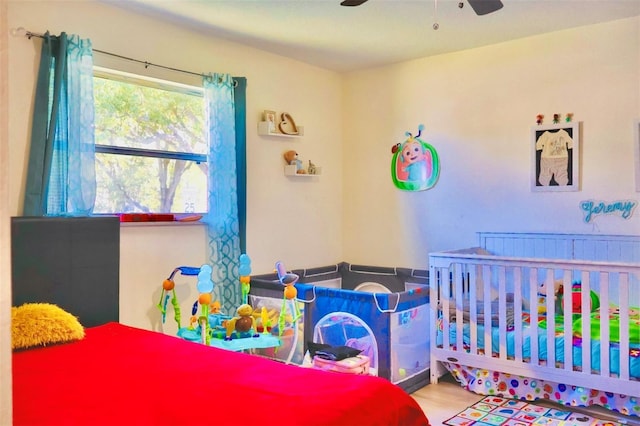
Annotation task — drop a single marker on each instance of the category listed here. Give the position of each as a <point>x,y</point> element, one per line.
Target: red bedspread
<point>119,375</point>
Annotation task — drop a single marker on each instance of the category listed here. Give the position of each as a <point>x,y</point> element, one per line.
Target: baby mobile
<point>415,165</point>
<point>204,286</point>
<point>245,277</point>
<point>288,280</point>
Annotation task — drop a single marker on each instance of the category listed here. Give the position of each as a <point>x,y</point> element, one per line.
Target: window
<point>151,145</point>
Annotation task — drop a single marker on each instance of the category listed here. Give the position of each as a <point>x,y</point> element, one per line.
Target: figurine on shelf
<point>313,169</point>
<point>291,157</point>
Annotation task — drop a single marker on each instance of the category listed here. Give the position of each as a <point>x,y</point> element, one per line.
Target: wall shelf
<point>291,171</point>
<point>263,130</point>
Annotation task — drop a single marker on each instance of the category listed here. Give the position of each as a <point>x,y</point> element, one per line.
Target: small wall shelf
<point>263,130</point>
<point>291,171</point>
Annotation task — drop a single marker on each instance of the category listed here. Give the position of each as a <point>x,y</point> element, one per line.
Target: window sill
<point>159,217</point>
<point>166,223</point>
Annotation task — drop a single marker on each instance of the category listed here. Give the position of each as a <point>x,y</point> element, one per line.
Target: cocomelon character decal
<point>415,165</point>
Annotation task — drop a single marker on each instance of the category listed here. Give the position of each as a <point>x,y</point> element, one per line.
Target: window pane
<point>132,184</point>
<point>135,116</point>
<point>138,121</point>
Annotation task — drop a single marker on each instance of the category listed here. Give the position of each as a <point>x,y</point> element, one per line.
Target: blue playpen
<point>382,311</point>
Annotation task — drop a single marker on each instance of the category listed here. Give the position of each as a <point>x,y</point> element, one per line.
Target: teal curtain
<point>224,178</point>
<point>61,170</point>
<point>240,103</point>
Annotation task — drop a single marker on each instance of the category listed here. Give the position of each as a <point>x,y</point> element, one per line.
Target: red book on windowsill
<point>147,217</point>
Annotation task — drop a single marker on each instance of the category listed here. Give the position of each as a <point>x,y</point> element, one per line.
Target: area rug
<point>497,411</point>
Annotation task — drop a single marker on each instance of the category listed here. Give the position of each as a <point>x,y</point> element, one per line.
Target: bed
<point>553,316</point>
<point>111,373</point>
<point>123,375</point>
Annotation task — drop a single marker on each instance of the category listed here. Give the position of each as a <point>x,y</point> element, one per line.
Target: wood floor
<point>447,398</point>
<point>443,400</point>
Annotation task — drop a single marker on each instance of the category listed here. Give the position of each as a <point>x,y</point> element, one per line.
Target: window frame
<point>126,77</point>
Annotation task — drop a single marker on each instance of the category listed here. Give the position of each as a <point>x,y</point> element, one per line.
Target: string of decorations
<point>557,118</point>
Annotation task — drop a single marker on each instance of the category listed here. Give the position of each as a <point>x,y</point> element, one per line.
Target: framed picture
<point>555,154</point>
<point>269,116</point>
<point>636,148</point>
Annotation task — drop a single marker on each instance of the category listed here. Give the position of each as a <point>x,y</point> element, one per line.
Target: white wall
<point>288,218</point>
<point>478,107</point>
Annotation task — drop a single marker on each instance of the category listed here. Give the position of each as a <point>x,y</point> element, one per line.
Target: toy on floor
<point>288,280</point>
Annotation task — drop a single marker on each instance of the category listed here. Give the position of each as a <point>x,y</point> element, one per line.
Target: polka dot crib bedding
<point>583,313</point>
<point>487,382</point>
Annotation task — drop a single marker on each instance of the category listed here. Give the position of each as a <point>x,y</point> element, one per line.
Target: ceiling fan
<point>480,7</point>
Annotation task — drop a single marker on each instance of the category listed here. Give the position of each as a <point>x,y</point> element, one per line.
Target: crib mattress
<point>614,350</point>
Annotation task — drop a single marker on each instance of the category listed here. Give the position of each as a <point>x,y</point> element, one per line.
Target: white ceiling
<point>379,32</point>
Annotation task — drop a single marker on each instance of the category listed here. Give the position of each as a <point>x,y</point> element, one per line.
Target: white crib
<point>499,283</point>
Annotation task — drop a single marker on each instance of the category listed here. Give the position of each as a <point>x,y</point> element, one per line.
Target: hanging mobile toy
<point>288,280</point>
<point>556,118</point>
<point>169,286</point>
<point>539,118</point>
<point>245,279</point>
<point>205,287</point>
<point>569,117</point>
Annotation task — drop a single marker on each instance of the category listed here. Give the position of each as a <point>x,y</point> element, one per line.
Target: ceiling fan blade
<point>352,2</point>
<point>483,7</point>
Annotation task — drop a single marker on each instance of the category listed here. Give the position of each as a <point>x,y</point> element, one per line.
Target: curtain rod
<point>21,32</point>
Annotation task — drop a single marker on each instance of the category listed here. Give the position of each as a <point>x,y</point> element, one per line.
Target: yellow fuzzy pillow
<point>42,324</point>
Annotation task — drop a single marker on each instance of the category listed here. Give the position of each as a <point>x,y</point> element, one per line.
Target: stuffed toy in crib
<point>543,291</point>
<point>558,293</point>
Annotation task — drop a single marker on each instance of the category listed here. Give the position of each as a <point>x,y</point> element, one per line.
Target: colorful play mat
<point>495,410</point>
<point>497,384</point>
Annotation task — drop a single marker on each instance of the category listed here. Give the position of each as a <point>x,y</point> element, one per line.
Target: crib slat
<point>624,325</point>
<point>533,340</point>
<point>446,308</point>
<point>502,311</point>
<point>475,274</point>
<point>568,323</point>
<point>459,303</point>
<point>586,322</point>
<point>551,318</point>
<point>517,313</point>
<point>486,294</point>
<point>604,324</point>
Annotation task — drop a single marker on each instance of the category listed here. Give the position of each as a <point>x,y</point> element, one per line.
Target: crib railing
<point>491,315</point>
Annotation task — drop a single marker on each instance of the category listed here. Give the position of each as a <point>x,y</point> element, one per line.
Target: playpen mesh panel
<point>363,319</point>
<point>409,342</point>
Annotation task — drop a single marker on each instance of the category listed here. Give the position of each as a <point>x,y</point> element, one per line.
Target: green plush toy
<point>576,299</point>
